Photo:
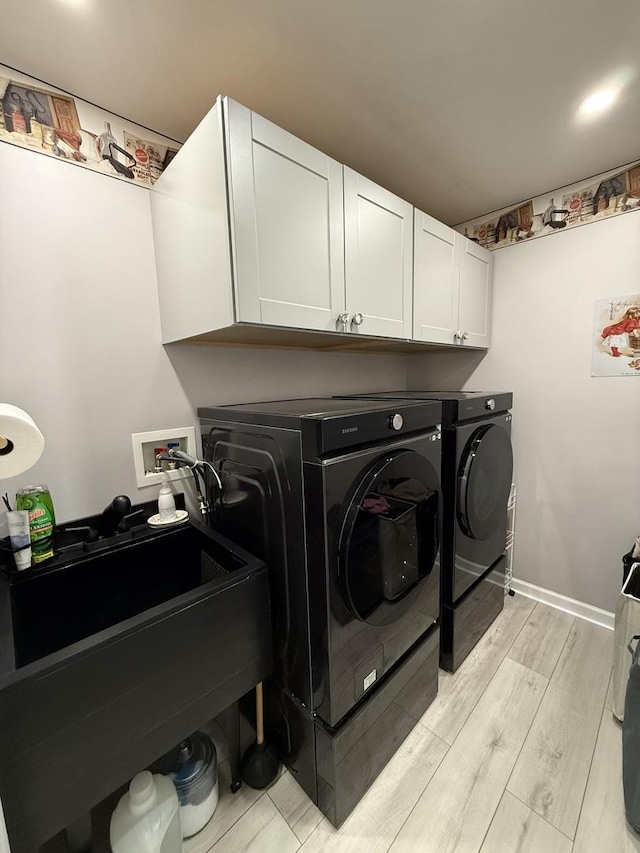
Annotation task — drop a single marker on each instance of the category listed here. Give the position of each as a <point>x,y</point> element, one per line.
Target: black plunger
<point>260,763</point>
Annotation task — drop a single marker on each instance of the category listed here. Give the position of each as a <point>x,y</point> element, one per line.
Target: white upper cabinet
<point>474,293</point>
<point>451,286</point>
<point>248,227</point>
<point>378,258</point>
<point>286,224</point>
<point>260,238</point>
<point>435,281</point>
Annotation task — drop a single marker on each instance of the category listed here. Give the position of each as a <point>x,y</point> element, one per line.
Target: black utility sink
<point>58,607</point>
<point>110,656</point>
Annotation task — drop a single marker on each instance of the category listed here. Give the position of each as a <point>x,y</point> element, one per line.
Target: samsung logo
<point>349,429</point>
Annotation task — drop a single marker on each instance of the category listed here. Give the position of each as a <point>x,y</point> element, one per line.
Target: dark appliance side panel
<point>472,557</point>
<point>350,758</point>
<point>449,482</point>
<point>353,648</point>
<point>291,729</point>
<point>464,623</point>
<point>319,571</point>
<point>261,509</point>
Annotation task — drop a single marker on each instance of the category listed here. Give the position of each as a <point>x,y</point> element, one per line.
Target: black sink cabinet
<point>112,658</point>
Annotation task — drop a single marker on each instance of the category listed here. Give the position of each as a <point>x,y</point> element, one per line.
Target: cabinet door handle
<point>457,336</point>
<point>465,335</point>
<point>357,319</point>
<point>343,322</point>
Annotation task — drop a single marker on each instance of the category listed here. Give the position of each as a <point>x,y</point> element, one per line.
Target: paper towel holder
<point>7,446</point>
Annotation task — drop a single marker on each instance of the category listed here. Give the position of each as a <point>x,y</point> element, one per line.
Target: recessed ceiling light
<point>78,5</point>
<point>598,101</point>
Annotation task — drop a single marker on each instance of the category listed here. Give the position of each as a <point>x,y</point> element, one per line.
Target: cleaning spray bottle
<point>166,501</point>
<point>42,520</point>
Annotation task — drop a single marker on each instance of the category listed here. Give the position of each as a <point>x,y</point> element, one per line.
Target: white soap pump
<point>166,501</point>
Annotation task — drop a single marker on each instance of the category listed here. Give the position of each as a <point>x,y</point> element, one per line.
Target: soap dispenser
<point>166,501</point>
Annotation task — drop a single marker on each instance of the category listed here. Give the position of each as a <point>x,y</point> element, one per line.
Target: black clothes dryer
<point>342,500</point>
<point>477,469</point>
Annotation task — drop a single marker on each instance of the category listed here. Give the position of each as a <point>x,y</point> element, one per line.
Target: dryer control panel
<point>342,432</point>
<point>477,405</point>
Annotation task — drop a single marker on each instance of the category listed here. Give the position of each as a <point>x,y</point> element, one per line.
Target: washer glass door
<point>484,482</point>
<point>389,540</point>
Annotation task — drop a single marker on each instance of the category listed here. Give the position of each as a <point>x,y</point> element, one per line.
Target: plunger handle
<point>259,714</point>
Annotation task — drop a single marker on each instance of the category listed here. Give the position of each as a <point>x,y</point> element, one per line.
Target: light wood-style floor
<point>519,753</point>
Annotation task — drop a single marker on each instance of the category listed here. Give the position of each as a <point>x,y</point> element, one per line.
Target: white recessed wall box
<point>144,453</point>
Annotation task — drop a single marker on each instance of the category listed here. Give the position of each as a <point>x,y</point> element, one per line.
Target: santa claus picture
<point>616,350</point>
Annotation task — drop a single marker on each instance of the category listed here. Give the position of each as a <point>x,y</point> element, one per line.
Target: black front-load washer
<point>477,469</point>
<point>342,500</point>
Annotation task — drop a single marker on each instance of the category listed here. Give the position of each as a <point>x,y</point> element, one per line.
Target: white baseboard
<point>563,602</point>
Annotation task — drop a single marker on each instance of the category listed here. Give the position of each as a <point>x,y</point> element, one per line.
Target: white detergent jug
<point>146,819</point>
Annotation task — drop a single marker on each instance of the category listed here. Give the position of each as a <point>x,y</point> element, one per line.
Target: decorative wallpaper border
<point>49,121</point>
<point>592,200</point>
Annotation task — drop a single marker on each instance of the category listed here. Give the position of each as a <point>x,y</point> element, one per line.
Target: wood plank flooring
<point>516,829</point>
<point>602,823</point>
<point>542,639</point>
<point>454,813</point>
<point>519,753</point>
<point>459,693</point>
<point>551,773</point>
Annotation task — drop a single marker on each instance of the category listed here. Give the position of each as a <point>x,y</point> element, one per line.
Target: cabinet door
<point>435,281</point>
<point>378,257</point>
<point>475,293</point>
<point>287,225</point>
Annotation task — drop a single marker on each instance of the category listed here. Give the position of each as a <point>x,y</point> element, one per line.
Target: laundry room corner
<point>575,436</point>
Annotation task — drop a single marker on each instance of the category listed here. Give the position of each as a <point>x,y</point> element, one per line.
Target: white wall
<point>80,338</point>
<point>80,350</point>
<point>576,438</point>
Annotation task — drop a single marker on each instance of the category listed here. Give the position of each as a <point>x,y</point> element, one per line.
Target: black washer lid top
<point>456,405</point>
<point>317,407</point>
<point>427,395</point>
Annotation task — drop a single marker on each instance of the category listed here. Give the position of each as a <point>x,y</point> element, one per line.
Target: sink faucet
<point>125,522</point>
<point>113,514</point>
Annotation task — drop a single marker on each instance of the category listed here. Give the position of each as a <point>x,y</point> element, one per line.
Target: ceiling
<point>458,106</point>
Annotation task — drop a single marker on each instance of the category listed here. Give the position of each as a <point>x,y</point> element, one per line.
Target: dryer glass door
<point>484,482</point>
<point>389,541</point>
